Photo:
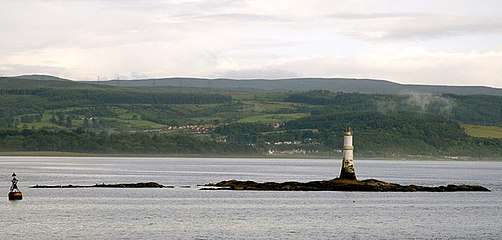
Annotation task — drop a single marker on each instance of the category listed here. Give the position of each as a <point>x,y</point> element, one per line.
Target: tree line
<point>114,96</point>
<point>101,142</point>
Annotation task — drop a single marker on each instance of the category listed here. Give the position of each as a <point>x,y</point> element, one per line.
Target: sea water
<point>185,212</point>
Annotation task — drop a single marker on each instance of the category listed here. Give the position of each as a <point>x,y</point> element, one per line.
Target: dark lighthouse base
<point>347,175</point>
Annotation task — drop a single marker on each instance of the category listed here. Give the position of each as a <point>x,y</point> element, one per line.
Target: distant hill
<point>41,77</point>
<point>304,84</point>
<point>42,81</point>
<point>347,85</point>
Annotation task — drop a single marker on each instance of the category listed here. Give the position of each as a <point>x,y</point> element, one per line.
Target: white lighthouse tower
<point>348,171</point>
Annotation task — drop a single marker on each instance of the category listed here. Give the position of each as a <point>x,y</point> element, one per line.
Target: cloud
<point>259,73</point>
<point>474,68</point>
<point>15,69</point>
<point>81,39</point>
<point>447,26</point>
<point>372,16</point>
<point>414,25</point>
<point>239,17</point>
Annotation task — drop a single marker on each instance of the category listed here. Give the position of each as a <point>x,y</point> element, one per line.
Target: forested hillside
<point>472,109</point>
<point>65,116</point>
<point>114,143</point>
<point>401,133</point>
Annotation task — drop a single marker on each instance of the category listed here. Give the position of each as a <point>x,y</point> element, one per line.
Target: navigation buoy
<point>15,193</point>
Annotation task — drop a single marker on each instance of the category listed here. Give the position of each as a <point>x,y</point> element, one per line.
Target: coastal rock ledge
<point>369,185</point>
<point>102,185</point>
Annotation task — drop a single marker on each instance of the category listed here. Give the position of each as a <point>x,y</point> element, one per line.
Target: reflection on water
<point>187,213</point>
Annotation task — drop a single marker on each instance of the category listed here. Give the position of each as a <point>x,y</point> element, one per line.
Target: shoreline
<point>262,156</point>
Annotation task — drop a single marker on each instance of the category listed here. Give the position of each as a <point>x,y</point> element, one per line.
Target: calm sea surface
<point>184,212</point>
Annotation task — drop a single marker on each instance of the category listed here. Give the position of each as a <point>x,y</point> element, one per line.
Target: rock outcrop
<point>102,185</point>
<point>369,185</point>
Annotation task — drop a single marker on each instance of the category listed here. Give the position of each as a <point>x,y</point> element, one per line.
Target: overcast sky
<point>430,42</point>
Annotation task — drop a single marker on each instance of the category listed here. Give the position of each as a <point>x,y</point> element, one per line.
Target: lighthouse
<point>348,171</point>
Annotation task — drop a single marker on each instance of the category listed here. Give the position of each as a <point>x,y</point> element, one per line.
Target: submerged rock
<point>369,185</point>
<point>117,185</point>
<point>131,185</point>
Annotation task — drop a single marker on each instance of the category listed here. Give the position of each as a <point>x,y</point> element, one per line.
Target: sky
<point>446,42</point>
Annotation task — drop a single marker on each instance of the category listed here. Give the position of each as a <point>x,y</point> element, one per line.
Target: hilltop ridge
<point>347,85</point>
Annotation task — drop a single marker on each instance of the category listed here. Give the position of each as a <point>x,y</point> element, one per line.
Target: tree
<point>69,123</point>
<point>85,123</point>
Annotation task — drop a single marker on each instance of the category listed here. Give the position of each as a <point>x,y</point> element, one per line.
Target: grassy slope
<point>267,108</point>
<point>483,131</point>
<point>271,118</point>
<point>124,121</point>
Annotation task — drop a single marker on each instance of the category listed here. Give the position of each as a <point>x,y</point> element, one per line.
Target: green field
<point>483,131</point>
<point>271,118</point>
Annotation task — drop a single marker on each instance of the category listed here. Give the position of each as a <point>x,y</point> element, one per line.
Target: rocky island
<point>337,184</point>
<point>346,182</point>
